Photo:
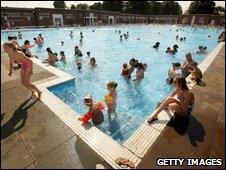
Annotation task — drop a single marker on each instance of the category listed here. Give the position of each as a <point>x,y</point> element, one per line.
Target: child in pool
<point>63,58</point>
<point>125,70</point>
<point>79,61</point>
<point>110,98</point>
<point>95,111</point>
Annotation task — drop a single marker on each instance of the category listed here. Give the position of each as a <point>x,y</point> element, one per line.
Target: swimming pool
<point>135,102</point>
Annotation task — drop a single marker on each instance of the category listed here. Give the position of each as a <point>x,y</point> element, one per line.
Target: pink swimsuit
<point>24,65</point>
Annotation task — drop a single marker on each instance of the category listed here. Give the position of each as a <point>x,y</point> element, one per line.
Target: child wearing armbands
<point>110,98</point>
<point>95,111</point>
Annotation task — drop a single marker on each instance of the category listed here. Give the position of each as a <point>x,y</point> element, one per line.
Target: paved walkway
<point>34,137</point>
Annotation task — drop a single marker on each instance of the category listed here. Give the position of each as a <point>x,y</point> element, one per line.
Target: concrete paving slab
<point>73,154</point>
<point>14,154</point>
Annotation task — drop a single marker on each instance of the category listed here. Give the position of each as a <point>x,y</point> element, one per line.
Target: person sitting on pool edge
<point>196,74</point>
<point>95,111</point>
<point>174,72</point>
<point>181,100</point>
<point>187,65</point>
<point>156,45</point>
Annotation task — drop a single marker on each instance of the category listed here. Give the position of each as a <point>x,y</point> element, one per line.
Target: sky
<point>49,4</point>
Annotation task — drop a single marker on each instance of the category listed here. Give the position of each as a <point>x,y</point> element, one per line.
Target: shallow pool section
<point>135,101</point>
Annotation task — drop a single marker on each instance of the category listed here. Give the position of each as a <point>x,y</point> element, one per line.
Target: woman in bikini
<point>180,100</point>
<point>26,67</point>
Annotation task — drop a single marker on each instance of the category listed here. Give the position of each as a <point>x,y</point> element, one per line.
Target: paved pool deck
<point>32,136</point>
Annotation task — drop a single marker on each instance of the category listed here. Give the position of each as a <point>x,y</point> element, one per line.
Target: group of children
<point>189,67</point>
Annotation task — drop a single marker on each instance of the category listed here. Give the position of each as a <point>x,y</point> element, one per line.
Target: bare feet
<point>39,95</point>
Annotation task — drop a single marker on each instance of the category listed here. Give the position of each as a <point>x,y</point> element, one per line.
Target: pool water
<point>136,101</point>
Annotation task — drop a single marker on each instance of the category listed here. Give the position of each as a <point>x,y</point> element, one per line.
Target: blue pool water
<point>135,101</point>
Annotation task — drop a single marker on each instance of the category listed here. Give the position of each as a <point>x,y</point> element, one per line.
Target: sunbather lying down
<point>124,162</point>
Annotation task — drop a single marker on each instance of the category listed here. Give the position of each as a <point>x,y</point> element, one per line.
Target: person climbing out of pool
<point>110,98</point>
<point>63,58</point>
<point>26,67</point>
<point>125,70</point>
<point>187,65</point>
<point>19,35</point>
<point>25,49</point>
<point>174,72</point>
<point>196,73</point>
<point>201,50</point>
<point>95,111</point>
<point>92,62</point>
<point>181,100</point>
<point>139,72</point>
<point>156,45</point>
<point>51,57</point>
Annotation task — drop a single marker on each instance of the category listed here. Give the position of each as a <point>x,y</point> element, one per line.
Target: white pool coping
<point>136,146</point>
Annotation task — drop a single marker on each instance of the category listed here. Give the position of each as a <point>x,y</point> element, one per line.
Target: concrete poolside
<point>44,141</point>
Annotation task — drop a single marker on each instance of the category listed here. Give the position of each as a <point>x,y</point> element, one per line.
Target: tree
<point>219,10</point>
<point>59,4</point>
<point>73,6</point>
<point>171,8</point>
<point>136,7</point>
<point>155,8</point>
<point>83,6</point>
<point>96,6</point>
<point>113,6</point>
<point>202,7</point>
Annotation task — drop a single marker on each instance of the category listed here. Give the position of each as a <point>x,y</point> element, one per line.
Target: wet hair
<point>168,48</point>
<point>10,38</point>
<point>49,50</point>
<point>188,55</point>
<point>175,46</point>
<point>133,60</point>
<point>181,39</point>
<point>26,42</point>
<point>182,82</point>
<point>10,45</point>
<point>62,52</point>
<point>15,37</point>
<point>80,54</point>
<point>62,42</point>
<point>76,46</point>
<point>177,64</point>
<point>35,39</point>
<point>124,65</point>
<point>136,64</point>
<point>140,66</point>
<point>204,48</point>
<point>93,59</point>
<point>40,34</point>
<point>112,84</point>
<point>55,54</point>
<point>88,53</point>
<point>157,43</point>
